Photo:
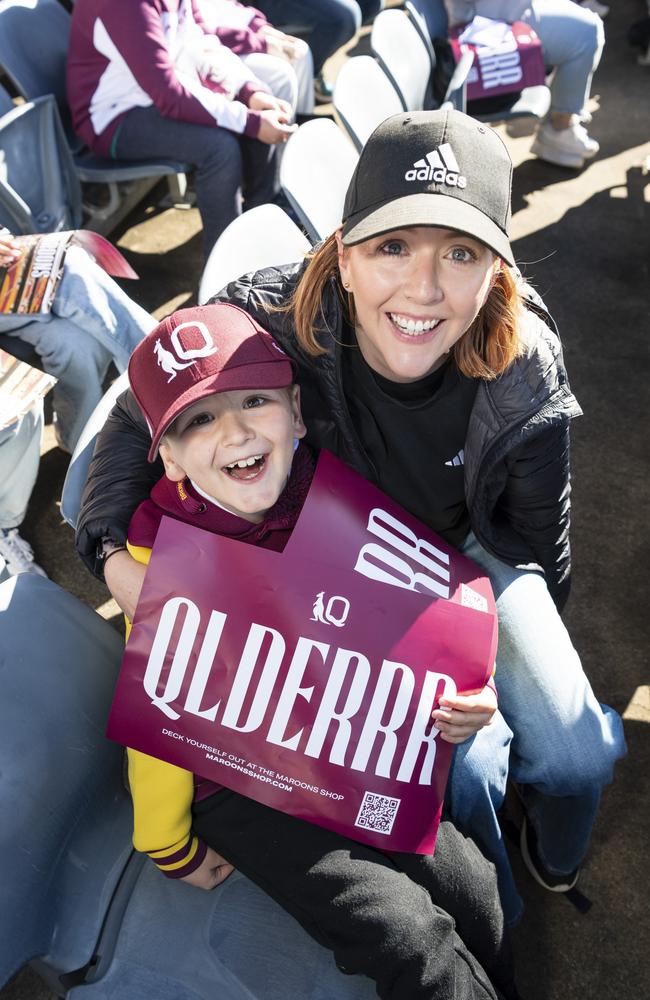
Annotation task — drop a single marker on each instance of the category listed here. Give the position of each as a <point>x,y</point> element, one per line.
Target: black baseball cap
<point>432,168</point>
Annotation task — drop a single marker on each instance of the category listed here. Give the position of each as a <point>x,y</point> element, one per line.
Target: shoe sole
<point>523,847</point>
<point>556,156</point>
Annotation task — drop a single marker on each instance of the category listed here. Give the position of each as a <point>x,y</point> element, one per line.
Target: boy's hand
<point>461,717</point>
<point>9,252</point>
<point>212,871</point>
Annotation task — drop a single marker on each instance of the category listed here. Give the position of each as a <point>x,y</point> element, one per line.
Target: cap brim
<point>428,209</point>
<point>263,376</point>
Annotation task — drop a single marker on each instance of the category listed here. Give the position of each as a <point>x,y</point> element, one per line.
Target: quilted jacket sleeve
<point>536,501</point>
<point>119,478</point>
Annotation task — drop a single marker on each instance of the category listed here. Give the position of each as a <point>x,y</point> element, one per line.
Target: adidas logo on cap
<point>439,166</point>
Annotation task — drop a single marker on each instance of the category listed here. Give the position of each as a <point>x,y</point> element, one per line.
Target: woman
<point>422,368</point>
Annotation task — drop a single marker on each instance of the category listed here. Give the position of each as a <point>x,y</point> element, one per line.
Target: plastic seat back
<point>39,189</point>
<point>364,97</point>
<point>65,819</point>
<point>315,172</point>
<point>263,237</point>
<point>404,57</point>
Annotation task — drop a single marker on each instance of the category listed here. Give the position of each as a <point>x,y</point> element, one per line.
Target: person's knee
<point>348,20</point>
<point>405,922</point>
<point>585,763</point>
<point>592,34</point>
<point>600,37</point>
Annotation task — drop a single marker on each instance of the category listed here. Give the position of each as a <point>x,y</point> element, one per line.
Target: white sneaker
<point>567,147</point>
<point>17,553</point>
<point>596,6</point>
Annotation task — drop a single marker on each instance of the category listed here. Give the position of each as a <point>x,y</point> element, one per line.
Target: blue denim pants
<point>230,170</point>
<point>325,25</point>
<point>572,40</point>
<point>551,734</point>
<point>19,459</point>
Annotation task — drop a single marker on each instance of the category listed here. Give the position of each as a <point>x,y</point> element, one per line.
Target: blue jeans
<point>228,167</point>
<point>325,24</point>
<point>562,743</point>
<point>572,40</point>
<point>19,459</point>
<point>92,323</point>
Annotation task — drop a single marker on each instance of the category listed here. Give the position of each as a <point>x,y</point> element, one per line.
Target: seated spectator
<point>92,323</point>
<point>325,24</point>
<point>144,80</point>
<point>282,62</point>
<point>572,40</point>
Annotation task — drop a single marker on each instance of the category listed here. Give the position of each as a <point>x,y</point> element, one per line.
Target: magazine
<point>29,285</point>
<point>20,387</point>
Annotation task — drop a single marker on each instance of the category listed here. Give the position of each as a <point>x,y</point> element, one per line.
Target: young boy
<point>219,399</point>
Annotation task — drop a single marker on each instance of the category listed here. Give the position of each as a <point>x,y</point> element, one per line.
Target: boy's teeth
<point>243,463</point>
<point>412,326</point>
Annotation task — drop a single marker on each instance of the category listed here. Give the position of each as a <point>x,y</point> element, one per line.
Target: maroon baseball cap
<point>196,352</point>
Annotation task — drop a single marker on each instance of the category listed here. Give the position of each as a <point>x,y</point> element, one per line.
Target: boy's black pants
<point>421,927</point>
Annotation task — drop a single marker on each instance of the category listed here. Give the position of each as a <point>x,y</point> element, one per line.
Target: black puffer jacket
<point>516,452</point>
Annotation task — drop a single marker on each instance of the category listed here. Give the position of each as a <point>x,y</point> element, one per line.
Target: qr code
<point>377,813</point>
<point>472,599</point>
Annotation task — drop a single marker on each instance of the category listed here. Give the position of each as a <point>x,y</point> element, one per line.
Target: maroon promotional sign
<point>510,61</point>
<point>306,679</point>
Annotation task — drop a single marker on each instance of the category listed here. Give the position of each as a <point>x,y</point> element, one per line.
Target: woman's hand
<point>9,251</point>
<point>212,871</point>
<point>273,127</point>
<point>124,578</point>
<point>261,101</point>
<point>461,717</point>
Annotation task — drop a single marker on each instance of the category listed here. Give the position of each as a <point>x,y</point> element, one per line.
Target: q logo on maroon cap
<point>185,357</point>
<point>207,348</point>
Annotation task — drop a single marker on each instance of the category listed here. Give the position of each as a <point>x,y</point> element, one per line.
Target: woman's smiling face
<point>416,291</point>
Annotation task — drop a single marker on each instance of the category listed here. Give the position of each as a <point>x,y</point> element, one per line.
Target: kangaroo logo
<point>172,364</point>
<point>168,362</point>
<point>326,613</point>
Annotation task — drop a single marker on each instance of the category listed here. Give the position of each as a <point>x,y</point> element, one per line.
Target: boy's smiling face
<point>237,447</point>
